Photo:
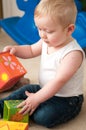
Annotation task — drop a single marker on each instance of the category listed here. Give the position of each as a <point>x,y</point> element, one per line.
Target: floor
<point>32,65</point>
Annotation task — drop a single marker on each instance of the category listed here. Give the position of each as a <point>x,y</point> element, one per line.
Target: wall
<point>10,8</point>
<point>1,15</point>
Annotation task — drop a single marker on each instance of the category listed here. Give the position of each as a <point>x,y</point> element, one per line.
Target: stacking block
<point>11,112</point>
<point>11,70</point>
<point>10,125</point>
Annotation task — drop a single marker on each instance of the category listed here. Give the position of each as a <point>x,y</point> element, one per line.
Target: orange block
<point>9,125</point>
<point>11,70</point>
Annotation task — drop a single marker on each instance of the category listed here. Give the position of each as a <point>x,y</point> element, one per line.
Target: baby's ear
<point>71,28</point>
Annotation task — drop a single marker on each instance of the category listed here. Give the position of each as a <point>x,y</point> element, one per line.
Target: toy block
<point>10,125</point>
<point>11,112</point>
<point>11,70</point>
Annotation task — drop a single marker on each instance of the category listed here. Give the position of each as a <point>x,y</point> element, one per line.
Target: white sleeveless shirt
<point>50,65</point>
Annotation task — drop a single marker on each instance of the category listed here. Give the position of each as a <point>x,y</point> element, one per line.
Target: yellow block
<point>10,125</point>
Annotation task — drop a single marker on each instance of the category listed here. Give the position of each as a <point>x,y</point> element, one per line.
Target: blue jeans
<point>52,112</point>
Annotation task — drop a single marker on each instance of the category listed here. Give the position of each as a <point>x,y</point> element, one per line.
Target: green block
<point>10,112</point>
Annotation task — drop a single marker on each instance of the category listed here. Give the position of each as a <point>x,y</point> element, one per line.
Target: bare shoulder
<point>73,59</point>
<point>70,64</point>
<point>74,55</point>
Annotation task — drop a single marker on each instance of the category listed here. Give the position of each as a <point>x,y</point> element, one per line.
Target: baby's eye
<point>39,29</point>
<point>49,31</point>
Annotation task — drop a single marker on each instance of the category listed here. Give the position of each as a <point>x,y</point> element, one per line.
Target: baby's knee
<point>43,119</point>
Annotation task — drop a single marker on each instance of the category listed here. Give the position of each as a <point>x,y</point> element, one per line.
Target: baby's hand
<point>28,105</point>
<point>10,49</point>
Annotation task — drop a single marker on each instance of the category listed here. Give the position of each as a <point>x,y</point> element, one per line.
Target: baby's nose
<point>43,35</point>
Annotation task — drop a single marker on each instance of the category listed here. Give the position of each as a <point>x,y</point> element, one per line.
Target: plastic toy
<point>11,70</point>
<point>10,125</point>
<point>22,29</point>
<point>80,30</point>
<point>79,5</point>
<point>10,112</point>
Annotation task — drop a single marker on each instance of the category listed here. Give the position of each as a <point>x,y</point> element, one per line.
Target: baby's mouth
<point>46,41</point>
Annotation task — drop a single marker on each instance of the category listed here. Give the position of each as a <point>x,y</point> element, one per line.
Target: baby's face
<point>51,32</point>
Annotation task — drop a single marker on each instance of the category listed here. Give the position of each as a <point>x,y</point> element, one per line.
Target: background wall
<point>1,9</point>
<point>10,8</point>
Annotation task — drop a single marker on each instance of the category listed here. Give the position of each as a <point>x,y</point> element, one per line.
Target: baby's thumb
<point>9,49</point>
<point>27,93</point>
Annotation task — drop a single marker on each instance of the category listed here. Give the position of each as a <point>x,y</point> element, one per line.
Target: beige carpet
<point>32,65</point>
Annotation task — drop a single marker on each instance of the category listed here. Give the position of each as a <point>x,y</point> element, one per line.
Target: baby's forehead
<point>47,19</point>
<point>44,19</point>
<point>46,23</point>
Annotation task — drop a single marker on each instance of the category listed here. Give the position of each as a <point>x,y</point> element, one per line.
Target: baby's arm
<point>25,51</point>
<point>69,65</point>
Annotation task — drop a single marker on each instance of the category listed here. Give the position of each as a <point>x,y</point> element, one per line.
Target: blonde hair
<point>63,10</point>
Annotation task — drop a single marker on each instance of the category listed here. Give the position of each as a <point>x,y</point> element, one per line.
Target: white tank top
<point>50,65</point>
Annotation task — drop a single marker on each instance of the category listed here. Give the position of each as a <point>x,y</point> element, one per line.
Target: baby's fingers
<point>21,104</point>
<point>31,112</point>
<point>24,110</point>
<point>9,49</point>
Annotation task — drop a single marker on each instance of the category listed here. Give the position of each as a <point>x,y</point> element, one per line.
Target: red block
<point>11,70</point>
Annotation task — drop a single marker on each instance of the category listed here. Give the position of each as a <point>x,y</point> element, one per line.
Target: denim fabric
<point>52,112</point>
